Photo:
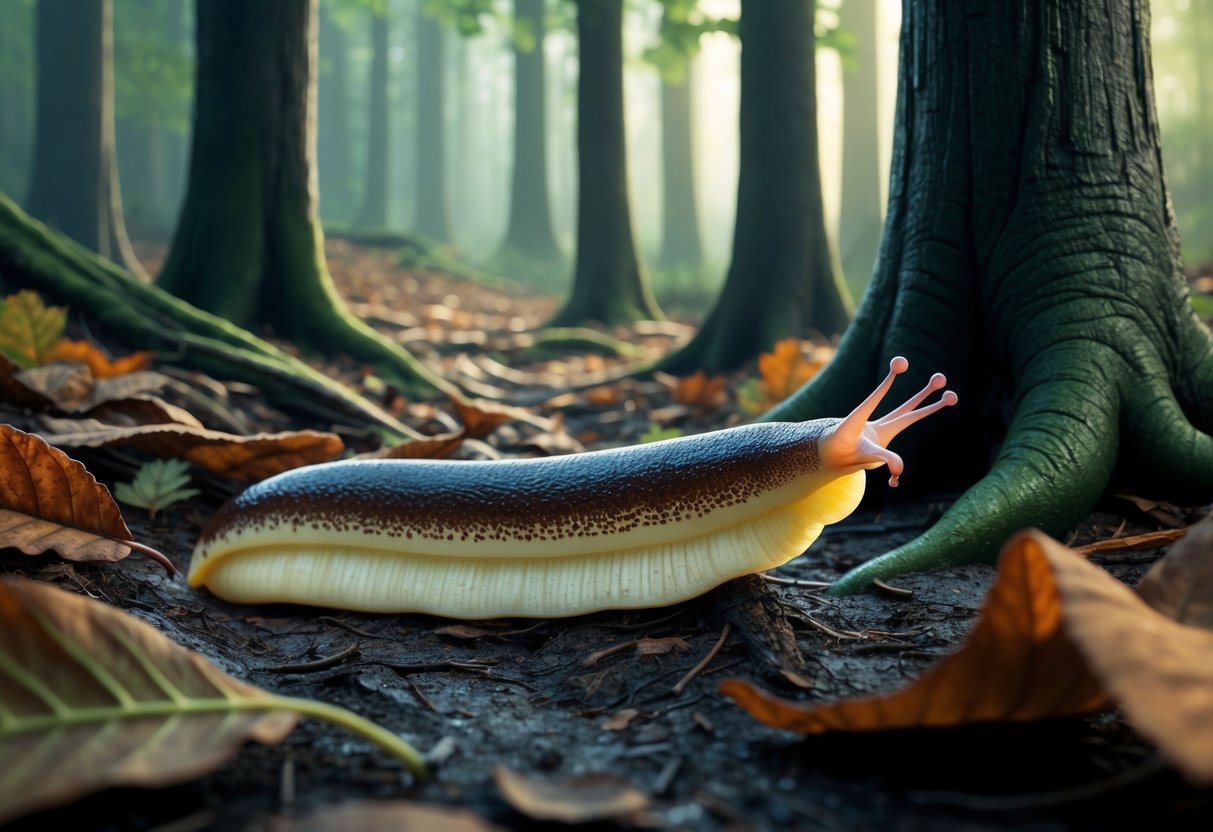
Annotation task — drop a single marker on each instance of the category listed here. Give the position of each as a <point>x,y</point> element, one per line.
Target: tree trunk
<point>784,279</point>
<point>74,186</point>
<point>16,99</point>
<point>141,156</point>
<point>176,142</point>
<point>433,209</point>
<point>859,221</point>
<point>333,141</point>
<point>608,285</point>
<point>680,245</point>
<point>1030,252</point>
<point>249,247</point>
<point>530,227</point>
<point>374,202</point>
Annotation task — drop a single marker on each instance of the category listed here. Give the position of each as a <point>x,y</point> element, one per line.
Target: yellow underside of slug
<point>377,579</point>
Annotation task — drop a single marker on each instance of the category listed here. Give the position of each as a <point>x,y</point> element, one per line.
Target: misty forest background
<point>379,171</point>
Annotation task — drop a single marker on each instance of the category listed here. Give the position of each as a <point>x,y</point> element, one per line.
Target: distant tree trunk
<point>141,156</point>
<point>530,228</point>
<point>783,280</point>
<point>249,246</point>
<point>680,244</point>
<point>74,186</point>
<point>608,285</point>
<point>374,202</point>
<point>859,223</point>
<point>16,102</point>
<point>433,209</point>
<point>333,148</point>
<point>176,141</point>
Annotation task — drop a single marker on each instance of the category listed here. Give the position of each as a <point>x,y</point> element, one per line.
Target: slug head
<point>858,443</point>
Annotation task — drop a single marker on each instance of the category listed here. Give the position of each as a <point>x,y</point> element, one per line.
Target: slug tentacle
<point>633,527</point>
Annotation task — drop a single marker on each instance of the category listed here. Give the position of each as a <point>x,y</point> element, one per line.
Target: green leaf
<point>158,485</point>
<point>91,697</point>
<point>29,329</point>
<point>656,433</point>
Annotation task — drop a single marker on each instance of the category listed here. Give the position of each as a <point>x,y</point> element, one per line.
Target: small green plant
<point>656,433</point>
<point>158,485</point>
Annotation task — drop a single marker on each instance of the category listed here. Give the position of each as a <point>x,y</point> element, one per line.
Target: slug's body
<point>635,527</point>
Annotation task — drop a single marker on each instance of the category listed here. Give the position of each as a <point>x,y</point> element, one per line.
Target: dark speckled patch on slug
<point>581,495</point>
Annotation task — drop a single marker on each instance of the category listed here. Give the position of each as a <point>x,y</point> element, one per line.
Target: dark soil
<point>521,695</point>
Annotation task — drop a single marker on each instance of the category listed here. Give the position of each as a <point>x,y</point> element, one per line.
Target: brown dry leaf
<point>439,446</point>
<point>94,698</point>
<point>141,410</point>
<point>463,631</point>
<point>101,365</point>
<point>392,816</point>
<point>661,646</point>
<point>619,721</point>
<point>604,396</point>
<point>786,368</point>
<point>700,391</point>
<point>584,799</point>
<point>68,386</point>
<point>1166,513</point>
<point>1057,636</point>
<point>238,457</point>
<point>480,418</point>
<point>1180,586</point>
<point>49,501</point>
<point>16,392</point>
<point>129,385</point>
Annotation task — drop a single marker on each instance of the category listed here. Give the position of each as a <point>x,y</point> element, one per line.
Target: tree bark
<point>608,284</point>
<point>374,202</point>
<point>680,243</point>
<point>249,247</point>
<point>16,100</point>
<point>1030,252</point>
<point>74,186</point>
<point>783,280</point>
<point>530,226</point>
<point>433,206</point>
<point>141,156</point>
<point>333,141</point>
<point>860,214</point>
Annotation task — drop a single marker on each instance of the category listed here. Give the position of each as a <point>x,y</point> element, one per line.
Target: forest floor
<point>613,694</point>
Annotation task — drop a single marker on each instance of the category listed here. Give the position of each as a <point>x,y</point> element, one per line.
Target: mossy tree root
<point>145,317</point>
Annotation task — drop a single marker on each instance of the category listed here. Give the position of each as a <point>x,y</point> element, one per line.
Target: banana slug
<point>641,526</point>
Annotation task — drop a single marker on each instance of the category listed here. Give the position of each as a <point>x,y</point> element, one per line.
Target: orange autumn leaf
<point>1057,636</point>
<point>785,369</point>
<point>101,365</point>
<point>700,390</point>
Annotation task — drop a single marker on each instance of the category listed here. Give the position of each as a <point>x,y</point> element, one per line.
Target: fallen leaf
<point>93,697</point>
<point>619,721</point>
<point>16,392</point>
<point>101,365</point>
<point>583,799</point>
<point>50,501</point>
<point>392,816</point>
<point>68,386</point>
<point>700,391</point>
<point>238,457</point>
<point>1057,636</point>
<point>29,329</point>
<point>1180,586</point>
<point>661,646</point>
<point>439,446</point>
<point>1168,514</point>
<point>129,385</point>
<point>140,410</point>
<point>480,418</point>
<point>463,631</point>
<point>604,396</point>
<point>786,368</point>
<point>1131,543</point>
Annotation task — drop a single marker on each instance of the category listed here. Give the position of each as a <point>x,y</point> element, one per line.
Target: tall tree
<point>1030,252</point>
<point>374,183</point>
<point>249,246</point>
<point>680,243</point>
<point>16,95</point>
<point>859,217</point>
<point>433,205</point>
<point>530,225</point>
<point>608,284</point>
<point>783,279</point>
<point>333,141</point>
<point>74,186</point>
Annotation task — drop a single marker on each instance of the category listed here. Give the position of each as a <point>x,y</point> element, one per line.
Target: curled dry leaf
<point>700,391</point>
<point>239,457</point>
<point>1057,636</point>
<point>392,816</point>
<point>91,697</point>
<point>16,392</point>
<point>786,368</point>
<point>50,501</point>
<point>68,386</point>
<point>439,446</point>
<point>480,418</point>
<point>584,799</point>
<point>141,410</point>
<point>1180,586</point>
<point>101,365</point>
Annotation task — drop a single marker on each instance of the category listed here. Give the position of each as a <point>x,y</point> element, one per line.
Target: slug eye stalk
<point>858,443</point>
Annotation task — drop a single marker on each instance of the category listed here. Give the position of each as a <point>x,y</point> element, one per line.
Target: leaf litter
<point>515,694</point>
